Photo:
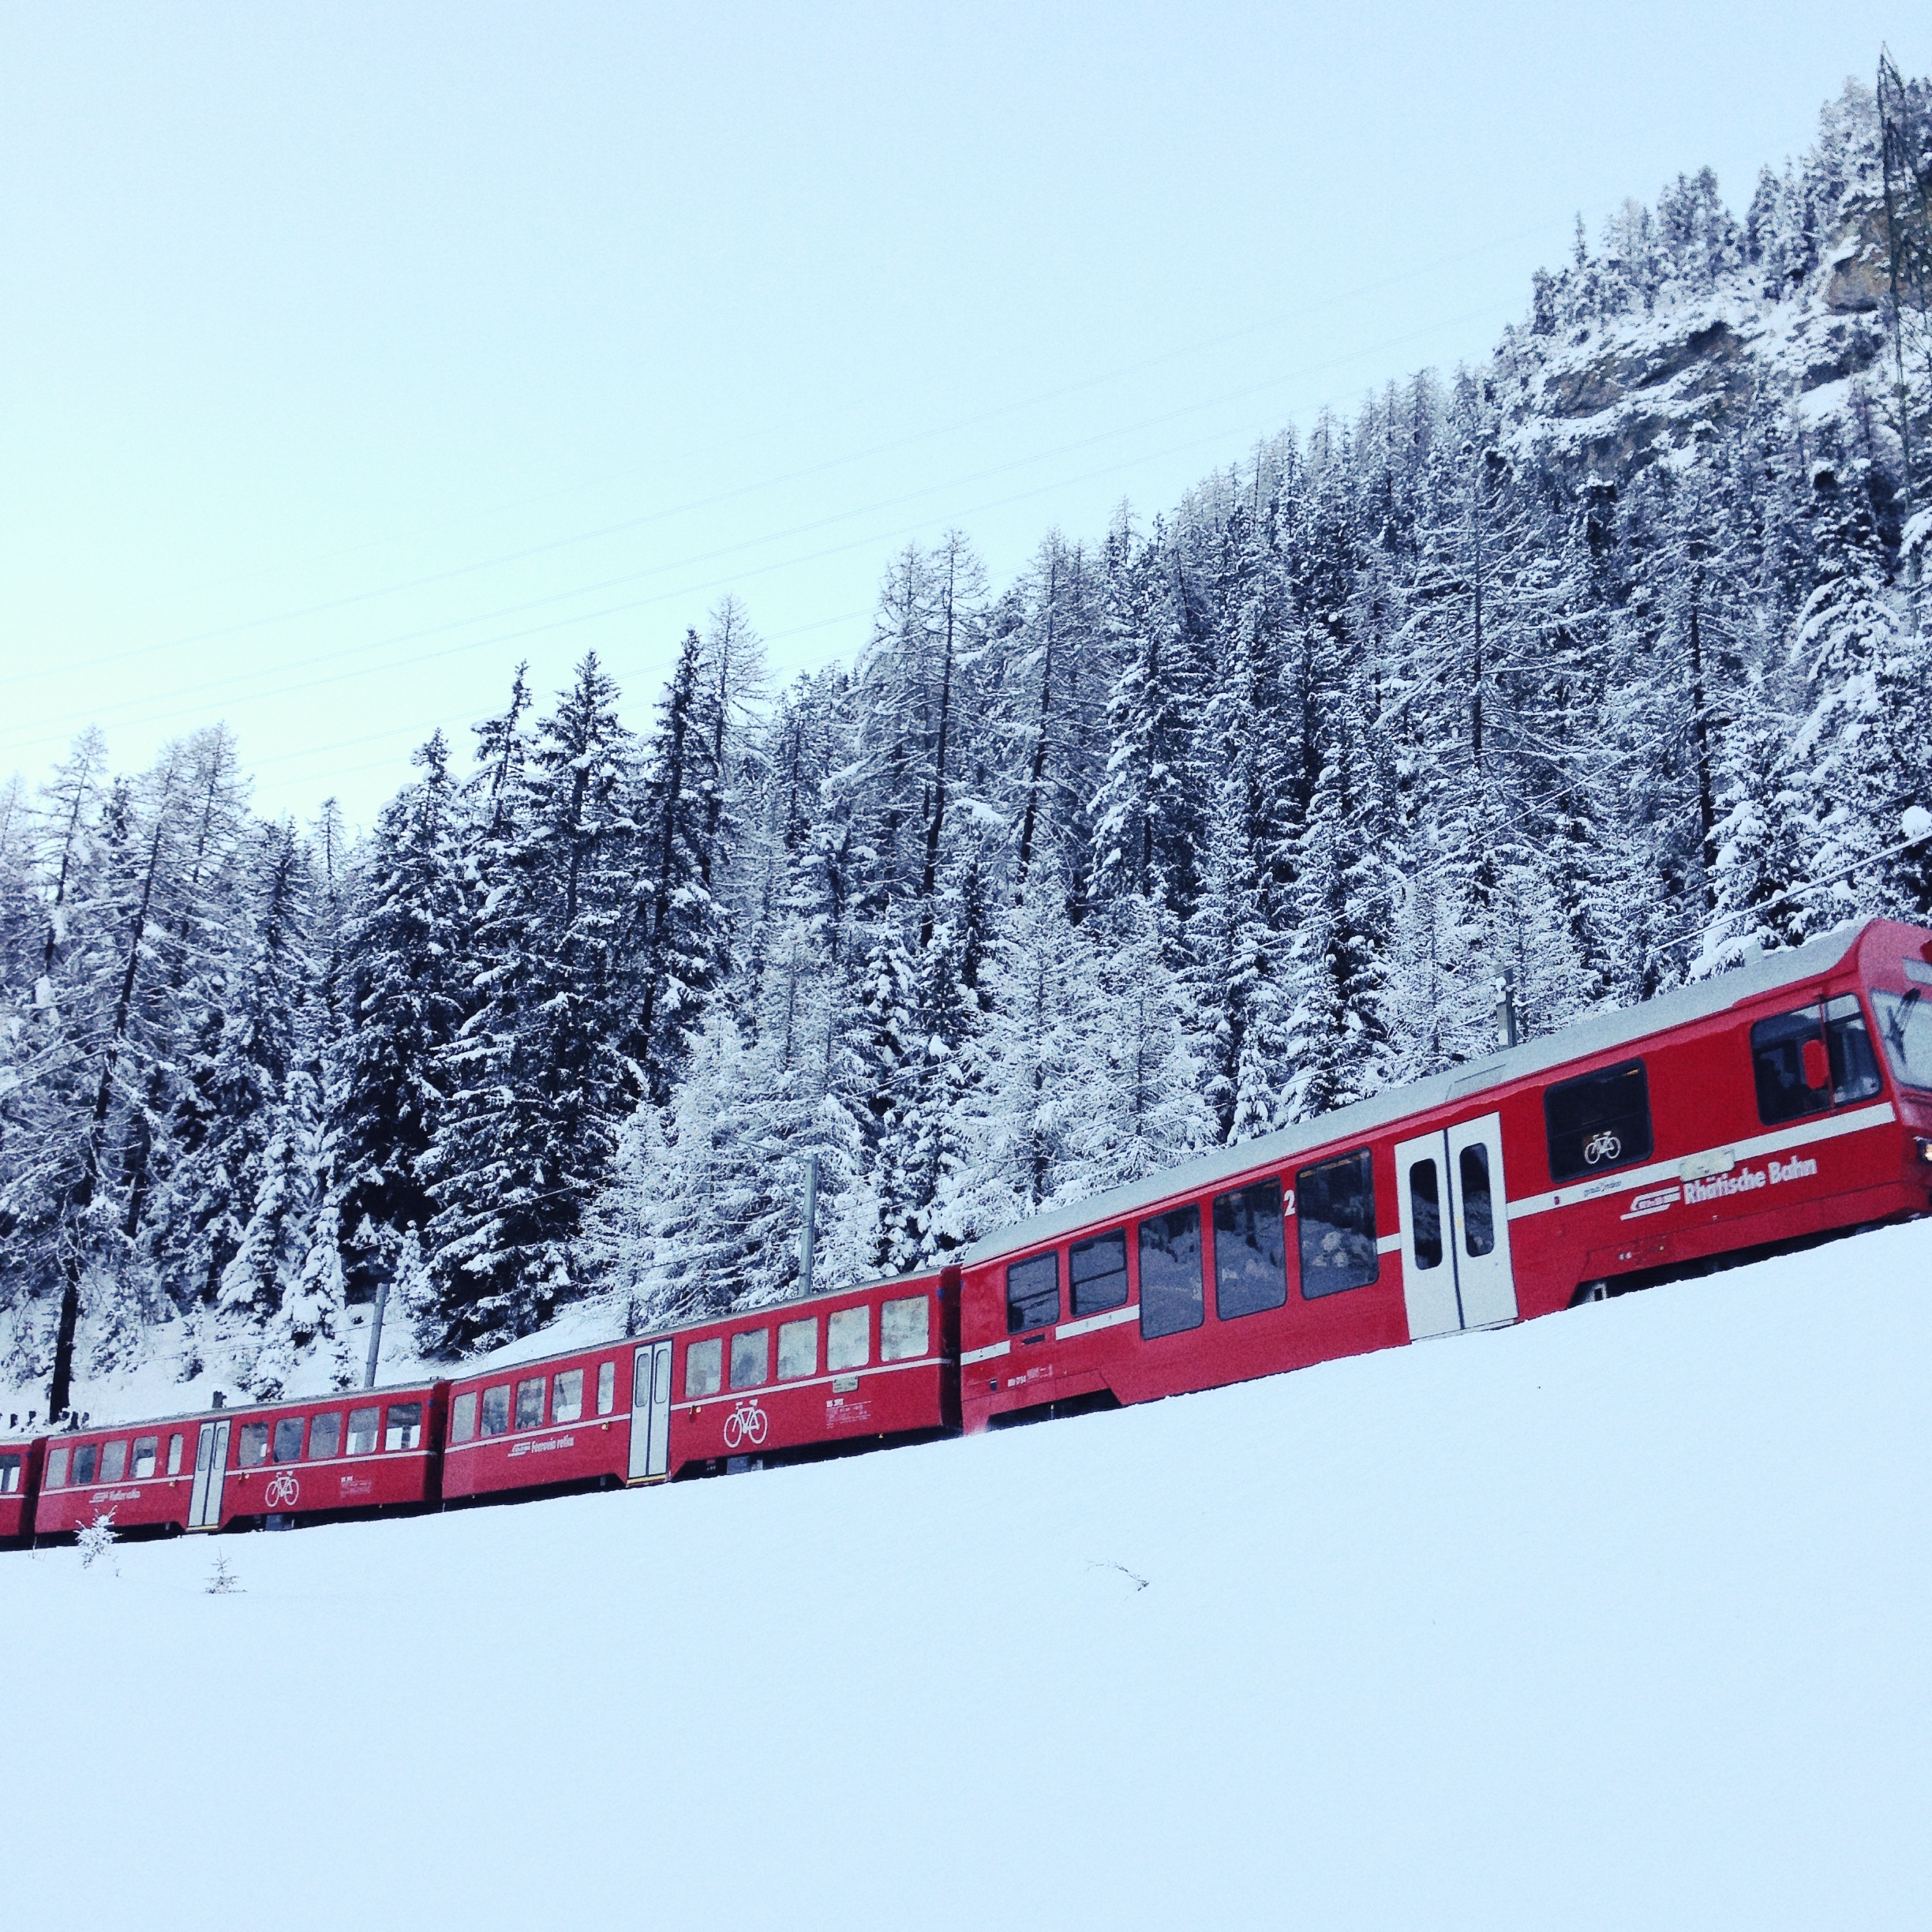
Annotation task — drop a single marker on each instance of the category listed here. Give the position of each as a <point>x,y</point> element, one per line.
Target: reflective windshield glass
<point>1905,1026</point>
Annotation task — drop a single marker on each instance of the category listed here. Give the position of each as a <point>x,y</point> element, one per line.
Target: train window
<point>530,1403</point>
<point>362,1429</point>
<point>704,1368</point>
<point>607,1387</point>
<point>87,1460</point>
<point>1170,1271</point>
<point>288,1439</point>
<point>1854,1065</point>
<point>798,1349</point>
<point>1335,1215</point>
<point>114,1462</point>
<point>1905,1025</point>
<point>324,1437</point>
<point>750,1361</point>
<point>1426,1215</point>
<point>1791,1067</point>
<point>1033,1293</point>
<point>56,1477</point>
<point>903,1327</point>
<point>1600,1120</point>
<point>567,1397</point>
<point>174,1455</point>
<point>1097,1272</point>
<point>9,1475</point>
<point>462,1417</point>
<point>1478,1207</point>
<point>254,1443</point>
<point>404,1429</point>
<point>849,1338</point>
<point>1251,1251</point>
<point>147,1453</point>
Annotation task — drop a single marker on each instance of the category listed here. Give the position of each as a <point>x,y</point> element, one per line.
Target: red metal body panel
<point>591,1447</point>
<point>799,1414</point>
<point>19,1479</point>
<point>1718,1180</point>
<point>828,1406</point>
<point>348,1480</point>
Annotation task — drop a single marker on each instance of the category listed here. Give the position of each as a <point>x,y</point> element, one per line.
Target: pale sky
<point>349,354</point>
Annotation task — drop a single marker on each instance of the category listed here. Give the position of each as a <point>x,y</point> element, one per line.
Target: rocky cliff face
<point>1686,319</point>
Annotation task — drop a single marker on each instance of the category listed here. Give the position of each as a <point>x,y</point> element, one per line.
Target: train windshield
<point>1905,1026</point>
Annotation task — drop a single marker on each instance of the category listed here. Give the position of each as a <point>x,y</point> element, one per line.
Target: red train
<point>1778,1105</point>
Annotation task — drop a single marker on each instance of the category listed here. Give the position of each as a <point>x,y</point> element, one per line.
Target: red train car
<point>1781,1102</point>
<point>20,1480</point>
<point>344,1455</point>
<point>818,1376</point>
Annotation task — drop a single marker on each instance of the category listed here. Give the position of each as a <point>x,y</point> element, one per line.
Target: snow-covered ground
<point>1619,1620</point>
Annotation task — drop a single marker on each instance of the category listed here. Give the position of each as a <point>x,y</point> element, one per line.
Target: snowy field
<point>1619,1620</point>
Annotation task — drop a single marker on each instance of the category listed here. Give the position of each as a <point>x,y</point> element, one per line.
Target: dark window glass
<point>1854,1065</point>
<point>324,1437</point>
<point>1905,1026</point>
<point>1778,1065</point>
<point>288,1439</point>
<point>1170,1272</point>
<point>1098,1271</point>
<point>497,1411</point>
<point>1251,1251</point>
<point>87,1460</point>
<point>750,1358</point>
<point>798,1349</point>
<point>9,1475</point>
<point>1033,1293</point>
<point>529,1407</point>
<point>404,1428</point>
<point>704,1368</point>
<point>1478,1214</point>
<point>254,1443</point>
<point>1425,1214</point>
<point>1599,1121</point>
<point>904,1326</point>
<point>147,1455</point>
<point>1334,1210</point>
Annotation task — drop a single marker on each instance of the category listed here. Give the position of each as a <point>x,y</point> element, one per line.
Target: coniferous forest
<point>1595,666</point>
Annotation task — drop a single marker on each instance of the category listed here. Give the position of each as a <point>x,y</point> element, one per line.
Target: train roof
<point>1582,1039</point>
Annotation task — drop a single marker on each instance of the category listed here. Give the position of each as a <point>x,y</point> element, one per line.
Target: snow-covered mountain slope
<point>1616,1619</point>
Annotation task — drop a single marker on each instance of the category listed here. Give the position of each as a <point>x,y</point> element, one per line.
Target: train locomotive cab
<point>1762,1109</point>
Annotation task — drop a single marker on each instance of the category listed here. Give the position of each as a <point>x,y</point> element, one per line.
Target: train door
<point>650,1412</point>
<point>211,1476</point>
<point>1456,1271</point>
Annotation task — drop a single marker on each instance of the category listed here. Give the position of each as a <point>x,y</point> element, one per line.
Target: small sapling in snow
<point>96,1540</point>
<point>222,1581</point>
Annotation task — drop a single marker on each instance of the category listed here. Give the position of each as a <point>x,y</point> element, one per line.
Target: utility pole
<point>811,1216</point>
<point>376,1328</point>
<point>1505,1007</point>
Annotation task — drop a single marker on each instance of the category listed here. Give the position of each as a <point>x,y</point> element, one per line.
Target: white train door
<point>650,1412</point>
<point>1452,1205</point>
<point>211,1476</point>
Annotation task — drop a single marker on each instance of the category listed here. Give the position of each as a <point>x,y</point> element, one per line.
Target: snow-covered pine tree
<point>536,1081</point>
